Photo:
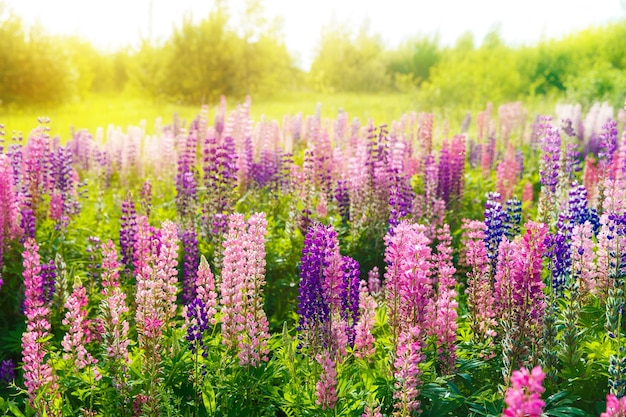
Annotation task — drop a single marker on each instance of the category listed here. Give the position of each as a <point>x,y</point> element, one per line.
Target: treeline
<point>586,66</point>
<point>216,56</point>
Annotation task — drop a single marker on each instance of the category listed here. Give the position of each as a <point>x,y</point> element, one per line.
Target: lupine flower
<point>190,264</point>
<point>507,173</point>
<point>115,327</point>
<point>128,227</point>
<point>523,398</point>
<point>7,372</point>
<point>200,313</point>
<point>372,412</point>
<point>363,340</point>
<point>615,407</point>
<point>495,222</point>
<point>39,376</point>
<point>350,297</point>
<point>313,307</point>
<point>244,323</point>
<point>528,299</point>
<point>74,340</point>
<point>373,281</point>
<point>443,314</point>
<point>583,257</point>
<point>326,387</point>
<point>550,170</point>
<point>479,289</point>
<point>9,209</point>
<point>407,372</point>
<point>513,208</point>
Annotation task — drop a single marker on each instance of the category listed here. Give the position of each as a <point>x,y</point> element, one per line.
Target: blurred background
<point>98,62</point>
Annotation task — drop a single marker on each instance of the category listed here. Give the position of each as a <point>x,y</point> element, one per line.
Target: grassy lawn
<point>100,111</point>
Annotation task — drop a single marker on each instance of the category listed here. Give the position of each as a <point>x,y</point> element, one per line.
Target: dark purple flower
<point>7,372</point>
<point>190,264</point>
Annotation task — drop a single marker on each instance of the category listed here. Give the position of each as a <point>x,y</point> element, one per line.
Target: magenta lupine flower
<point>74,340</point>
<point>479,288</point>
<point>113,307</point>
<point>9,210</point>
<point>507,174</point>
<point>363,339</point>
<point>39,377</point>
<point>443,314</point>
<point>407,372</point>
<point>583,257</point>
<point>244,323</point>
<point>527,293</point>
<point>615,407</point>
<point>408,277</point>
<point>503,281</point>
<point>523,398</point>
<point>326,387</point>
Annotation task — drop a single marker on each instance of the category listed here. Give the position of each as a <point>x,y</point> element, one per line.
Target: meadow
<point>294,260</point>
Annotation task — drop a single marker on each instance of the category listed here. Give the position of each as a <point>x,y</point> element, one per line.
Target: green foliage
<point>346,63</point>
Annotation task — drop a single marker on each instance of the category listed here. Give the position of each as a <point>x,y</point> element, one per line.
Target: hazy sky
<point>113,23</point>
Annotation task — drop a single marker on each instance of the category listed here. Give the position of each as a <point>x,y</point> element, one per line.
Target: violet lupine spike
<point>559,251</point>
<point>607,146</point>
<point>191,259</point>
<point>200,313</point>
<point>7,372</point>
<point>495,222</point>
<point>351,296</point>
<point>313,309</point>
<point>513,208</point>
<point>584,269</point>
<point>550,170</point>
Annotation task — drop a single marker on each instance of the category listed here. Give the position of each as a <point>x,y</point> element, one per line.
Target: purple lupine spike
<point>607,143</point>
<point>443,172</point>
<point>313,309</point>
<point>513,217</point>
<point>7,372</point>
<point>342,196</point>
<point>559,251</point>
<point>495,221</point>
<point>351,296</point>
<point>48,276</point>
<point>190,264</point>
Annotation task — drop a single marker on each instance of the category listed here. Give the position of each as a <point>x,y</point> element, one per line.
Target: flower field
<point>317,267</point>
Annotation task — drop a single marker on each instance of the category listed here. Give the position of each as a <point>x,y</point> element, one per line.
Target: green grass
<point>100,111</point>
